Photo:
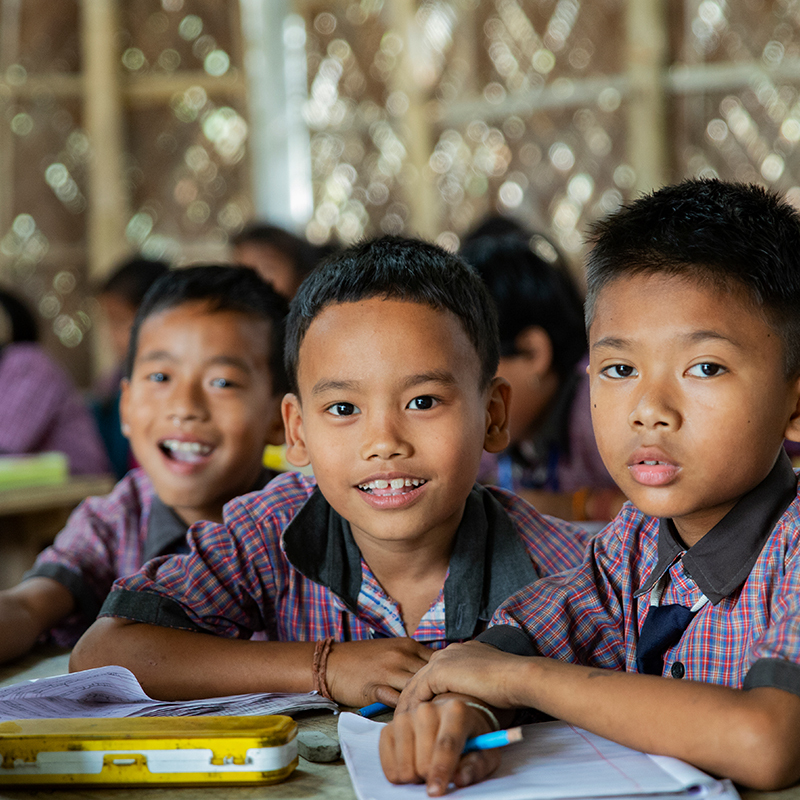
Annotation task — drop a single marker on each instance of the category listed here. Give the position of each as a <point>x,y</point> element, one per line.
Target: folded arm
<point>173,664</point>
<point>750,736</point>
<point>28,610</point>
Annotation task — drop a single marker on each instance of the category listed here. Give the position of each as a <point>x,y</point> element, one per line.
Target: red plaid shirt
<point>239,579</point>
<point>748,567</point>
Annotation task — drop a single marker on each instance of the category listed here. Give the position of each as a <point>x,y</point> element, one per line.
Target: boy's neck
<point>411,573</point>
<point>693,527</point>
<point>192,515</point>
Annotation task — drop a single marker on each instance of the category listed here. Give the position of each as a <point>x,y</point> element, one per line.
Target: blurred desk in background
<point>30,517</point>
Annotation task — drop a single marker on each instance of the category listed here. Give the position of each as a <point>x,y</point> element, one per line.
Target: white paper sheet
<point>115,692</point>
<point>555,761</point>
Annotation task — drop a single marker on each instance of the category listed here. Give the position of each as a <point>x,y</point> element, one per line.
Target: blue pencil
<point>374,709</point>
<point>487,741</point>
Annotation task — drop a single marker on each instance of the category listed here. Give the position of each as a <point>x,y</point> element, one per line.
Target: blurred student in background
<point>278,256</point>
<point>553,461</point>
<point>119,298</point>
<point>42,409</point>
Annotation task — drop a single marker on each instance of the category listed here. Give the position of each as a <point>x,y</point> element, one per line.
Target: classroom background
<point>164,126</point>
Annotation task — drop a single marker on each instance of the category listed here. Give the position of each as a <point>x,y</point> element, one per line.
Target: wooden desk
<point>31,517</point>
<point>308,780</point>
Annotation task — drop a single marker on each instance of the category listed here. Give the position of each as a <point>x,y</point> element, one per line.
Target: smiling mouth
<point>188,452</point>
<point>395,486</point>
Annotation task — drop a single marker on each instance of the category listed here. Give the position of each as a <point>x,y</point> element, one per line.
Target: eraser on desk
<point>317,746</point>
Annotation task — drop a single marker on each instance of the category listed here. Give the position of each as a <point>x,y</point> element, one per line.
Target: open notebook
<point>555,761</point>
<point>115,692</point>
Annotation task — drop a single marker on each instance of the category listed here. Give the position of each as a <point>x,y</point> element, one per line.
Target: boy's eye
<point>222,383</point>
<point>157,377</point>
<point>620,371</point>
<point>706,370</point>
<point>422,403</point>
<point>343,409</point>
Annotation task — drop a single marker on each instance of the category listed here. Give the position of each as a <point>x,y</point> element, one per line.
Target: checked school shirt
<point>285,564</point>
<point>748,565</point>
<point>108,537</point>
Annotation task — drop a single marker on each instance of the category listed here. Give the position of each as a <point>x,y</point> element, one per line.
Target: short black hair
<point>530,291</point>
<point>302,255</point>
<point>396,268</point>
<point>223,288</point>
<point>132,278</point>
<point>725,234</point>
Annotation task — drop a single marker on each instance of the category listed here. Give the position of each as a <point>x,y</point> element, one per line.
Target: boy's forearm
<point>173,664</point>
<point>750,736</point>
<point>27,611</point>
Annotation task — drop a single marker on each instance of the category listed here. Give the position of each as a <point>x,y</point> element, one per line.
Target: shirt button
<point>677,670</point>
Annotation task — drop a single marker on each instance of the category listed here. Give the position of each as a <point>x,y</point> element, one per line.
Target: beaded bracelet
<point>319,666</point>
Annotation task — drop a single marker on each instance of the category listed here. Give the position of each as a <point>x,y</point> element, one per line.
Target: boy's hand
<point>474,669</point>
<point>426,742</point>
<point>374,670</point>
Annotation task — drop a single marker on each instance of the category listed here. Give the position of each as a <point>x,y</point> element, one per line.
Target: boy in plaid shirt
<point>392,549</point>
<point>693,314</point>
<point>200,401</point>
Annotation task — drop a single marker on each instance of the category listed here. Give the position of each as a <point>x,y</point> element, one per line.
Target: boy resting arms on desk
<point>693,314</point>
<point>391,352</point>
<point>200,401</point>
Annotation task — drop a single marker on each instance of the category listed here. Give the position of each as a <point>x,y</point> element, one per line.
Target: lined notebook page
<point>554,761</point>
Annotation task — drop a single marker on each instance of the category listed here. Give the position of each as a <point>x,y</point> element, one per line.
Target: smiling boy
<point>391,549</point>
<point>693,314</point>
<point>200,401</point>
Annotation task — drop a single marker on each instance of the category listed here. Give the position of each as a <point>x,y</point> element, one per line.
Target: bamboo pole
<point>103,121</point>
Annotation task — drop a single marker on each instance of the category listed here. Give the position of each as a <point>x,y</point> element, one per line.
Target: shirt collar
<point>166,530</point>
<point>721,561</point>
<point>488,564</point>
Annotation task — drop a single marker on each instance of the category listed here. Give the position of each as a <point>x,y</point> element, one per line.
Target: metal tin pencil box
<point>138,751</point>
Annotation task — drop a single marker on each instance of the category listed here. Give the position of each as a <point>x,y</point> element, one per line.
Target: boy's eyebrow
<point>436,376</point>
<point>224,360</point>
<point>695,337</point>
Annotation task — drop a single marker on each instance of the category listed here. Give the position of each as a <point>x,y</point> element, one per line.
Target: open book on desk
<point>554,761</point>
<point>115,692</point>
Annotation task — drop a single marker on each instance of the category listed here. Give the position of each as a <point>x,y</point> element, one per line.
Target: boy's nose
<point>384,441</point>
<point>654,409</point>
<point>186,403</point>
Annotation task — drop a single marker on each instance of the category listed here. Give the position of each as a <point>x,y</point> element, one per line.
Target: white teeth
<point>176,447</point>
<point>394,483</point>
<point>651,463</point>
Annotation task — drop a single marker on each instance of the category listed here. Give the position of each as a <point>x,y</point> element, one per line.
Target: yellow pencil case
<point>137,751</point>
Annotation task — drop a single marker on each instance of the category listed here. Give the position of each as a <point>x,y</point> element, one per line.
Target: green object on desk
<point>40,469</point>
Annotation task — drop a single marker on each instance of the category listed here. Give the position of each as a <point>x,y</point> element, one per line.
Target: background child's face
<point>689,400</point>
<point>199,407</point>
<point>392,417</point>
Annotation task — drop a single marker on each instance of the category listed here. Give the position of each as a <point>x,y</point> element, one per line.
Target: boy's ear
<point>497,437</point>
<point>275,434</point>
<point>296,451</point>
<point>793,427</point>
<point>124,403</point>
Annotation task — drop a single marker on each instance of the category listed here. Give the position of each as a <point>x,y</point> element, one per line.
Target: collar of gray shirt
<point>488,564</point>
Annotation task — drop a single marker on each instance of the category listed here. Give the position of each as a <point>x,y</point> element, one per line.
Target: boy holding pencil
<point>679,634</point>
